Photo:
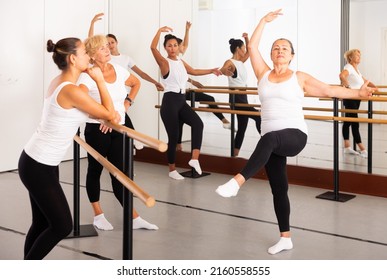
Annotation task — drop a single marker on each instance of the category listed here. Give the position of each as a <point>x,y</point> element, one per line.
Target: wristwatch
<point>130,100</point>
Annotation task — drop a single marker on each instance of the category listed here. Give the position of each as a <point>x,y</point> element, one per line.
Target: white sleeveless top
<point>124,60</point>
<point>355,79</point>
<point>54,135</point>
<point>117,90</point>
<point>177,77</point>
<point>241,78</point>
<point>281,104</point>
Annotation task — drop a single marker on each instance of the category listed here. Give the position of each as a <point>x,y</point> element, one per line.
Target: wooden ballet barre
<point>230,91</point>
<point>229,88</point>
<point>304,108</point>
<point>147,140</point>
<point>311,117</point>
<point>118,174</point>
<point>373,98</point>
<point>360,120</point>
<point>229,104</point>
<point>227,111</point>
<point>341,110</point>
<point>380,93</point>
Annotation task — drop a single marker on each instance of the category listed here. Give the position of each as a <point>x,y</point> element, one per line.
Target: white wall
<point>58,24</point>
<point>134,23</point>
<point>368,20</point>
<point>368,24</point>
<point>21,75</point>
<point>319,44</point>
<point>26,68</point>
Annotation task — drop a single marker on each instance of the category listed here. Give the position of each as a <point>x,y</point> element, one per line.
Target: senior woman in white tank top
<point>174,108</point>
<point>105,141</point>
<point>351,77</point>
<point>284,131</point>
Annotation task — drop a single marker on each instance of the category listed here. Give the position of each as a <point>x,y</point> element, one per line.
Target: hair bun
<point>50,46</point>
<point>231,41</point>
<point>169,36</point>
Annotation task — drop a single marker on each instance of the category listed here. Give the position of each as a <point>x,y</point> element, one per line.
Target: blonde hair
<point>92,44</point>
<point>349,54</point>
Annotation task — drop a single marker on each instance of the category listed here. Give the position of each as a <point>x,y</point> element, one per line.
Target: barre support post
<point>127,240</point>
<point>78,230</point>
<point>335,195</point>
<point>370,132</point>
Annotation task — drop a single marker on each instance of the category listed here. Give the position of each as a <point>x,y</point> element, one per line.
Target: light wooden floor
<point>196,223</point>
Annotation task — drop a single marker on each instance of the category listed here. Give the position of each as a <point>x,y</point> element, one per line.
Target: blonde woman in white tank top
<point>281,87</point>
<point>351,77</point>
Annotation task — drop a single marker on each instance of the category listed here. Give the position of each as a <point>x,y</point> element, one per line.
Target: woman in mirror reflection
<point>199,96</point>
<point>351,77</point>
<point>236,72</point>
<point>174,108</point>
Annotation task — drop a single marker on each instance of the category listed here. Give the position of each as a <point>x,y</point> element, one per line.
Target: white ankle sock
<point>229,189</point>
<point>351,151</point>
<point>285,243</point>
<point>227,125</point>
<point>101,223</point>
<point>138,145</point>
<point>141,223</point>
<point>175,175</point>
<point>195,164</point>
<point>364,154</point>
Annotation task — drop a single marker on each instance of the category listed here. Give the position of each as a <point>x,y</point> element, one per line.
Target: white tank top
<point>177,77</point>
<point>355,79</point>
<point>123,60</point>
<point>54,135</point>
<point>241,79</point>
<point>281,104</point>
<point>117,90</point>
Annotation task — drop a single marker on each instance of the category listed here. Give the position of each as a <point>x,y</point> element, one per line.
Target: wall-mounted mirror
<point>368,32</point>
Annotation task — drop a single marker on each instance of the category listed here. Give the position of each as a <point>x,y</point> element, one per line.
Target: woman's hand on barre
<point>105,129</point>
<point>366,91</point>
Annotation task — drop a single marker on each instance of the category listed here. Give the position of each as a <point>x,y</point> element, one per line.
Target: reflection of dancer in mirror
<point>174,108</point>
<point>66,107</point>
<point>284,131</point>
<point>199,96</point>
<point>236,72</point>
<point>123,59</point>
<point>128,63</point>
<point>107,142</point>
<point>351,77</point>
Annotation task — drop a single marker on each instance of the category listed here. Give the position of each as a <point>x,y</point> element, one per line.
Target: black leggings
<point>271,152</point>
<point>51,216</point>
<point>242,125</point>
<point>199,96</point>
<point>174,109</point>
<point>110,146</point>
<point>351,104</point>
